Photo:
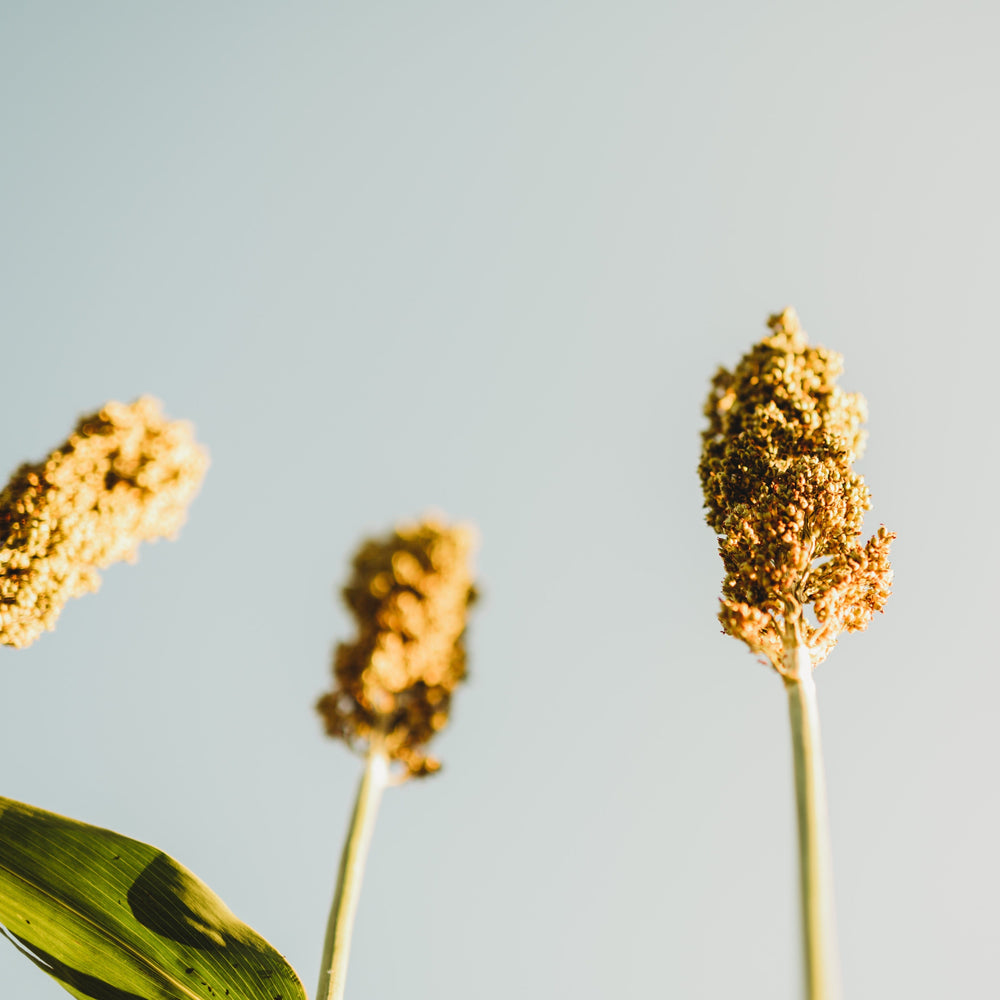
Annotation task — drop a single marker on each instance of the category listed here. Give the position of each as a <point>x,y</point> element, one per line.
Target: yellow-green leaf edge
<point>112,918</point>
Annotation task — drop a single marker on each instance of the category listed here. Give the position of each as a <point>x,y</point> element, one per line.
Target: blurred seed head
<point>124,476</point>
<point>784,500</point>
<point>409,594</point>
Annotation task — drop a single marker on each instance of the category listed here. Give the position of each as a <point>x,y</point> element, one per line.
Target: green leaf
<point>114,919</point>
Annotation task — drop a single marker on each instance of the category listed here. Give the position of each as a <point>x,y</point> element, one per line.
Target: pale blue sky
<point>485,257</point>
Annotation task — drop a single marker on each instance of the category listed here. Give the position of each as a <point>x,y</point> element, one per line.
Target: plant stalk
<point>819,946</point>
<point>337,945</point>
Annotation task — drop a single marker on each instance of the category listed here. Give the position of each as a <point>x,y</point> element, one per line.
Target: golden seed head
<point>124,476</point>
<point>783,498</point>
<point>409,594</point>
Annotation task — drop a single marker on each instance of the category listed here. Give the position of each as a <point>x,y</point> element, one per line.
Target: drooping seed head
<point>409,594</point>
<point>124,476</point>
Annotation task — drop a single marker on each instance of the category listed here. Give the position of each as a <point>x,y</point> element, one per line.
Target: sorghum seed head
<point>784,500</point>
<point>124,476</point>
<point>409,594</point>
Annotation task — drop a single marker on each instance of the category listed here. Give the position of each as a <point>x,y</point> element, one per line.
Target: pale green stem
<point>337,946</point>
<point>822,981</point>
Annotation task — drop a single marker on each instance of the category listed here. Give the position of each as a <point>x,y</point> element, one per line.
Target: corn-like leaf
<point>114,919</point>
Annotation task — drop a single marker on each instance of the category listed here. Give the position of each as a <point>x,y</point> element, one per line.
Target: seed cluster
<point>409,594</point>
<point>124,476</point>
<point>785,502</point>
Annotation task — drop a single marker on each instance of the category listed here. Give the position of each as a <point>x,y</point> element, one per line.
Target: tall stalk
<point>819,946</point>
<point>787,507</point>
<point>409,594</point>
<point>337,945</point>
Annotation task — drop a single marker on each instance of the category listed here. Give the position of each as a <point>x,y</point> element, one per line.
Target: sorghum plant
<point>393,683</point>
<point>787,507</point>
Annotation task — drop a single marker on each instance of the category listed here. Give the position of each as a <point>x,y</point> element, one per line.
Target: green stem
<point>337,946</point>
<point>815,869</point>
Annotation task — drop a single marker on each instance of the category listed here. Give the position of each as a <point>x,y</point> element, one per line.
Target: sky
<point>484,259</point>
